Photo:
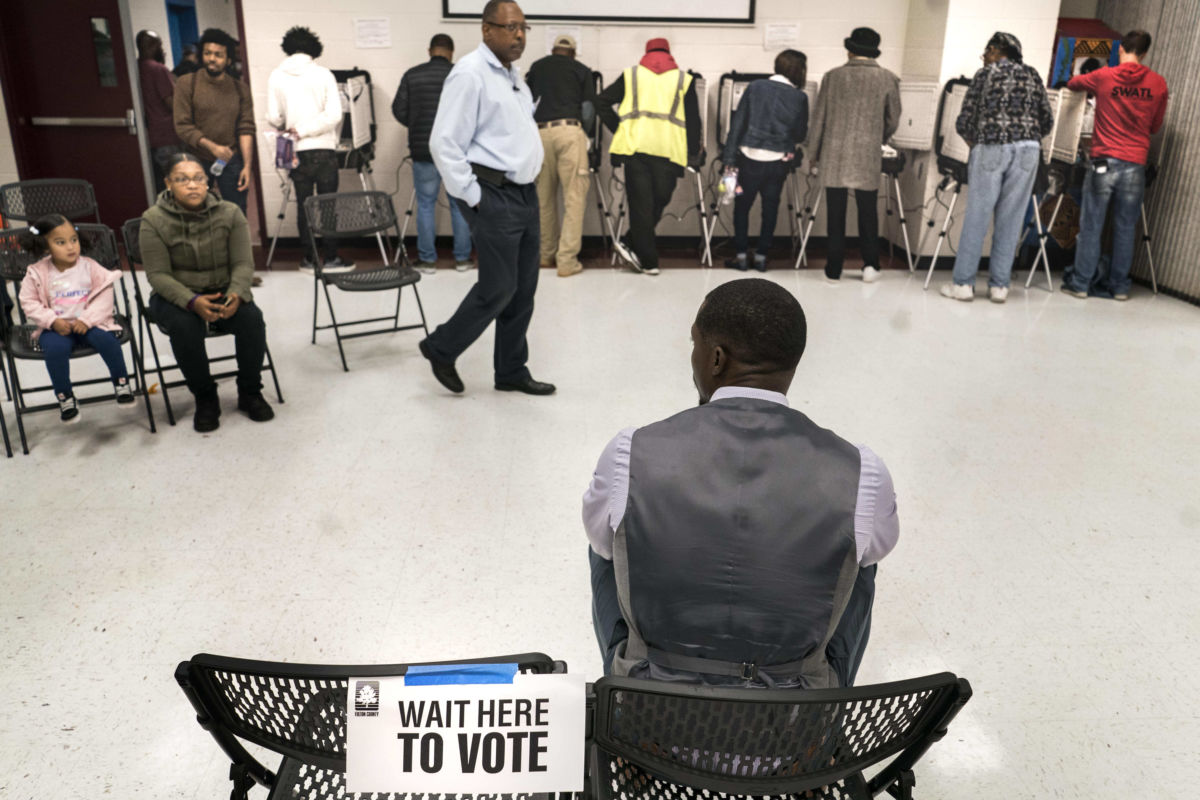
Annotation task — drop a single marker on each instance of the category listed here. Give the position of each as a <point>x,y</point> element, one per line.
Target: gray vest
<point>736,554</point>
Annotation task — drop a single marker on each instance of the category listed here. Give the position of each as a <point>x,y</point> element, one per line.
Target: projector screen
<point>711,11</point>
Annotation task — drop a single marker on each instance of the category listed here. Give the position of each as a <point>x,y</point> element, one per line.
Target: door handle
<point>129,122</point>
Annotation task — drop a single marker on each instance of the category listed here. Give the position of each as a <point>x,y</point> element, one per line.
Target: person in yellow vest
<point>656,134</point>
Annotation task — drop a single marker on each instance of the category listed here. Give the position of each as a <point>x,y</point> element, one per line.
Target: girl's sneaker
<point>68,409</point>
<point>123,391</point>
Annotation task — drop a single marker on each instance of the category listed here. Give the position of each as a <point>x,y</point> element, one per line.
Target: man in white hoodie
<point>302,99</point>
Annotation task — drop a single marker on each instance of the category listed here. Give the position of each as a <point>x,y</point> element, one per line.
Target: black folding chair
<point>28,200</point>
<point>130,232</point>
<point>665,741</point>
<point>296,710</point>
<point>359,214</point>
<point>18,340</point>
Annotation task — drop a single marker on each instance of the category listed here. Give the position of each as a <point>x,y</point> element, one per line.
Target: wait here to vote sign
<point>523,736</point>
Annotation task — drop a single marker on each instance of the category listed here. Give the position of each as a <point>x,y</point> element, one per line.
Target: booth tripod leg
<point>602,207</point>
<point>408,214</point>
<point>903,223</point>
<point>937,251</point>
<point>705,234</point>
<point>1149,254</point>
<point>368,184</point>
<point>286,188</point>
<point>1041,236</point>
<point>1042,257</point>
<point>812,218</point>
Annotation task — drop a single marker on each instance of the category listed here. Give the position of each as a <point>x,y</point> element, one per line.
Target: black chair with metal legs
<point>297,711</point>
<point>665,741</point>
<point>130,232</point>
<point>27,200</point>
<point>19,343</point>
<point>359,214</point>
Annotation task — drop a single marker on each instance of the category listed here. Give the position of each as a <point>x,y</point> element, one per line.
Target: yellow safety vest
<point>651,115</point>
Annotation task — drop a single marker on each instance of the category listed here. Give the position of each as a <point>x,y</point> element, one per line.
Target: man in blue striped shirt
<point>487,150</point>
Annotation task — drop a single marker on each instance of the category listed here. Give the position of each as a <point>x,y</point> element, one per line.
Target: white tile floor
<point>1044,454</point>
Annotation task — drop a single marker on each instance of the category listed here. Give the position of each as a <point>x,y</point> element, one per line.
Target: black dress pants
<point>765,178</point>
<point>187,333</point>
<point>649,184</point>
<point>506,231</point>
<point>868,228</point>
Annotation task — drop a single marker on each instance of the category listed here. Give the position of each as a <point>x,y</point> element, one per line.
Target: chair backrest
<point>28,200</point>
<point>297,710</point>
<point>350,214</point>
<point>13,260</point>
<point>131,232</point>
<point>764,741</point>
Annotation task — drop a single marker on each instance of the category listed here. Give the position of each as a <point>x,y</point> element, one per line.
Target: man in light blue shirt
<point>487,150</point>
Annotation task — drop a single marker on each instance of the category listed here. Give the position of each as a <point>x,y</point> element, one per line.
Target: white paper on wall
<point>781,36</point>
<point>372,32</point>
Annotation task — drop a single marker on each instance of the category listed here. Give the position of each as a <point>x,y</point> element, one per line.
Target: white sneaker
<point>651,271</point>
<point>464,266</point>
<point>997,294</point>
<point>627,255</point>
<point>870,274</point>
<point>957,291</point>
<point>427,267</point>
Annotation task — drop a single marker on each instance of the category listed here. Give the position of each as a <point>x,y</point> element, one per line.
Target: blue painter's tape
<point>446,674</point>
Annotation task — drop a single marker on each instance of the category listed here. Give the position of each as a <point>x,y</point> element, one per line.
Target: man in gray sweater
<point>858,109</point>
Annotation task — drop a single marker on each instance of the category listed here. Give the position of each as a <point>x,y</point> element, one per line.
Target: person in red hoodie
<point>1131,100</point>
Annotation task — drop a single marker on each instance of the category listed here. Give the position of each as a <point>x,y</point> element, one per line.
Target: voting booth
<point>1078,40</point>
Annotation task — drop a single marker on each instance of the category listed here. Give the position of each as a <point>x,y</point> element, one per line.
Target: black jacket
<point>416,103</point>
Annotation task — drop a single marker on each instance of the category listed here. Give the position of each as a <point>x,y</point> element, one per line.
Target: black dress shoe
<point>526,385</point>
<point>444,371</point>
<point>737,263</point>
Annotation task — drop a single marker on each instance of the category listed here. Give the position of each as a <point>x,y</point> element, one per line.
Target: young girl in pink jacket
<point>70,299</point>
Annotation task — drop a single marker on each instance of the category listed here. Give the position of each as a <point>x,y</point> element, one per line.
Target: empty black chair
<point>18,340</point>
<point>296,710</point>
<point>665,741</point>
<point>27,200</point>
<point>359,214</point>
<point>130,232</point>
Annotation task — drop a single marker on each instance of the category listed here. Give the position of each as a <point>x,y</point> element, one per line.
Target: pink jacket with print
<point>97,310</point>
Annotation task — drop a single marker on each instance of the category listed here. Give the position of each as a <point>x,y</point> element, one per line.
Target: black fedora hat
<point>863,42</point>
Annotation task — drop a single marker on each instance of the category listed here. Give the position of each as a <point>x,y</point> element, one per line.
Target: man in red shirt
<point>1131,100</point>
<point>158,89</point>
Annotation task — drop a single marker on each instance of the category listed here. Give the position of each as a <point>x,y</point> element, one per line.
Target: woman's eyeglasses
<point>180,180</point>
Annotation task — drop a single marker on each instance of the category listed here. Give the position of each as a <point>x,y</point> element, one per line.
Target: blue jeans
<point>1126,182</point>
<point>57,351</point>
<point>226,183</point>
<point>1000,177</point>
<point>428,182</point>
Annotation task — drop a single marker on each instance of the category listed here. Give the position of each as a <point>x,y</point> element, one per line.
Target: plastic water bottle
<point>728,187</point>
<point>218,167</point>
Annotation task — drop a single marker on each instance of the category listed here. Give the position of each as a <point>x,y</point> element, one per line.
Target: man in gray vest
<point>735,543</point>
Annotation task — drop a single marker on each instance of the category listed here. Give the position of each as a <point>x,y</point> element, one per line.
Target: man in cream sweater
<point>302,99</point>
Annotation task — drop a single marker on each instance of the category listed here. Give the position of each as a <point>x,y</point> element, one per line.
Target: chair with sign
<point>27,200</point>
<point>360,214</point>
<point>18,339</point>
<point>665,741</point>
<point>295,710</point>
<point>131,232</point>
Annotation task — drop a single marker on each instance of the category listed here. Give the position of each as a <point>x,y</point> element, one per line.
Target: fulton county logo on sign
<point>523,736</point>
<point>366,698</point>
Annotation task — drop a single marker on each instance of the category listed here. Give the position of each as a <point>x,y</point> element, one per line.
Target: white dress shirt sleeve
<point>453,129</point>
<point>876,523</point>
<point>607,495</point>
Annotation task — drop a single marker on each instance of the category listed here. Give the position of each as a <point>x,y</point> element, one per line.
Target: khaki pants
<point>565,163</point>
